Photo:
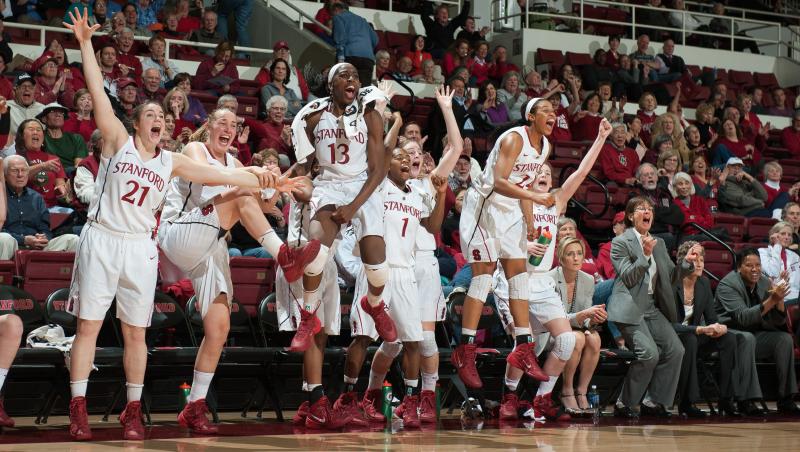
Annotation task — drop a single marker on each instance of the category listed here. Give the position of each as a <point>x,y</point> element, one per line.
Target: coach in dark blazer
<point>642,304</point>
<point>746,300</point>
<point>700,332</point>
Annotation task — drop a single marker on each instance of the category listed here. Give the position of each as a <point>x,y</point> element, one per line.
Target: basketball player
<point>191,235</point>
<point>491,229</point>
<point>10,338</point>
<point>546,311</point>
<point>405,210</point>
<point>117,256</point>
<point>430,290</point>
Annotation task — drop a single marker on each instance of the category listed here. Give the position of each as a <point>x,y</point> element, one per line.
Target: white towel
<point>303,146</point>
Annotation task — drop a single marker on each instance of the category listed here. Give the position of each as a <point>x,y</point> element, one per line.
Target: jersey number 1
<point>129,197</point>
<point>343,148</point>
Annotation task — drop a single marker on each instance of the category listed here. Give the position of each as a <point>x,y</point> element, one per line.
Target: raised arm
<point>114,133</point>
<point>455,144</point>
<point>576,179</point>
<point>252,177</point>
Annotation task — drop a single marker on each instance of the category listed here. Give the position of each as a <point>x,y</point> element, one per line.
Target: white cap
<point>734,161</point>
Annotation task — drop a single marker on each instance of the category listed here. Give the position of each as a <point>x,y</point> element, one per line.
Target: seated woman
<point>457,55</point>
<point>667,166</point>
<point>628,79</point>
<point>731,143</point>
<point>488,114</point>
<point>777,262</point>
<point>52,85</point>
<point>196,113</point>
<point>175,102</point>
<point>218,74</point>
<point>383,65</point>
<point>417,54</point>
<point>512,95</point>
<point>700,332</point>
<point>81,119</point>
<point>585,122</point>
<point>431,73</point>
<point>567,228</point>
<point>576,289</point>
<point>279,73</point>
<point>704,177</point>
<point>668,124</point>
<point>777,197</point>
<point>695,209</point>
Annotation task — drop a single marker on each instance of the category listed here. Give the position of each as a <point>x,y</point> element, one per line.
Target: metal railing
<point>583,21</point>
<point>743,12</point>
<point>303,15</point>
<point>391,3</point>
<point>712,238</point>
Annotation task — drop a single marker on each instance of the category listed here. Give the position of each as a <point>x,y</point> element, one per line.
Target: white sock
<point>78,388</point>
<point>312,299</point>
<point>305,387</point>
<point>134,391</point>
<point>546,387</point>
<point>372,299</point>
<point>271,242</point>
<point>200,383</point>
<point>411,385</point>
<point>429,381</point>
<point>350,381</point>
<point>521,331</point>
<point>375,380</point>
<point>468,332</point>
<point>512,384</point>
<point>3,373</point>
<point>649,403</point>
<point>312,387</point>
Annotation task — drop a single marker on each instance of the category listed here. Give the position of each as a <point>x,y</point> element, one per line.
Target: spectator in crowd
<point>704,177</point>
<point>667,124</point>
<point>628,79</point>
<point>111,69</point>
<point>47,174</point>
<point>672,66</point>
<point>81,120</point>
<point>694,142</point>
<point>208,33</point>
<point>585,123</point>
<point>499,65</point>
<point>460,178</point>
<point>740,193</point>
<point>113,25</point>
<point>731,143</point>
<point>512,95</point>
<point>746,300</point>
<point>694,207</point>
<point>158,61</point>
<point>679,19</point>
<point>647,114</point>
<point>24,105</point>
<point>295,81</point>
<point>127,94</point>
<point>612,113</point>
<point>604,266</point>
<point>699,330</point>
<point>779,106</point>
<point>151,87</point>
<point>489,114</point>
<point>440,28</point>
<point>127,53</point>
<point>791,215</point>
<point>187,22</point>
<point>218,73</point>
<point>417,54</point>
<point>431,73</point>
<point>27,223</point>
<point>479,65</point>
<point>79,6</point>
<point>758,100</point>
<point>272,133</point>
<point>383,64</point>
<point>617,161</point>
<point>69,147</point>
<point>176,102</point>
<point>74,75</point>
<point>324,17</point>
<point>722,25</point>
<point>86,172</point>
<point>403,70</point>
<point>705,122</point>
<point>643,306</point>
<point>750,123</point>
<point>132,20</point>
<point>280,76</point>
<point>649,64</point>
<point>355,41</point>
<point>241,10</point>
<point>567,228</point>
<point>790,135</point>
<point>533,84</point>
<point>51,84</point>
<point>657,18</point>
<point>633,137</point>
<point>471,34</point>
<point>147,12</point>
<point>777,197</point>
<point>196,113</point>
<point>561,129</point>
<point>6,87</point>
<point>576,289</point>
<point>778,263</point>
<point>666,215</point>
<point>594,74</point>
<point>457,55</point>
<point>613,54</point>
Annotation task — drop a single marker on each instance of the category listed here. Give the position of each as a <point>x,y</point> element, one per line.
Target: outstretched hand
<point>386,87</point>
<point>80,25</point>
<point>604,130</point>
<point>444,96</point>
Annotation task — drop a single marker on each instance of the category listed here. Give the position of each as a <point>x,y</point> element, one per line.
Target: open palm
<point>80,25</point>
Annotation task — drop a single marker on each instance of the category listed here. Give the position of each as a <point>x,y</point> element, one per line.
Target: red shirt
<point>203,75</point>
<point>44,182</point>
<point>604,266</point>
<point>771,194</point>
<point>83,127</point>
<point>498,69</point>
<point>585,129</point>
<point>790,139</point>
<point>479,70</point>
<point>6,89</point>
<point>130,60</point>
<point>612,60</point>
<point>647,124</point>
<point>618,165</point>
<point>697,212</point>
<point>268,135</point>
<point>561,131</point>
<point>188,24</point>
<point>417,57</point>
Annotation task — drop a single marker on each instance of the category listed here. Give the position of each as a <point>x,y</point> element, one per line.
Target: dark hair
<point>125,6</point>
<point>223,47</point>
<point>182,77</point>
<point>154,39</point>
<point>585,104</point>
<point>631,207</point>
<point>414,42</point>
<point>288,69</point>
<point>19,139</point>
<point>482,90</point>
<point>452,79</point>
<point>454,47</point>
<point>409,123</point>
<point>743,253</point>
<point>721,128</point>
<point>613,38</point>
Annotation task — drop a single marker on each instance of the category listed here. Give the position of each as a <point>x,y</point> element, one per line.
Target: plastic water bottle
<point>185,390</point>
<point>594,404</point>
<point>386,407</point>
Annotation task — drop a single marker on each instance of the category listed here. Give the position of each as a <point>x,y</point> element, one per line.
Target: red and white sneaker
<point>370,406</point>
<point>294,260</point>
<point>5,419</point>
<point>509,407</point>
<point>302,411</point>
<point>308,328</point>
<point>427,407</point>
<point>79,420</point>
<point>523,357</point>
<point>410,411</point>
<point>545,408</point>
<point>131,420</point>
<point>348,403</point>
<point>384,324</point>
<point>321,415</point>
<point>194,417</point>
<point>463,359</point>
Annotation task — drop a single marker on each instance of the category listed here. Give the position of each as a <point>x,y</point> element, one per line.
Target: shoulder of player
<point>512,141</point>
<point>312,119</point>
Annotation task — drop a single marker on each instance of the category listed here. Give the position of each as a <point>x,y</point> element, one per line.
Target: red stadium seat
<point>734,224</point>
<point>579,59</point>
<point>253,279</point>
<point>718,259</point>
<point>766,80</point>
<point>7,271</point>
<point>44,272</point>
<point>758,229</point>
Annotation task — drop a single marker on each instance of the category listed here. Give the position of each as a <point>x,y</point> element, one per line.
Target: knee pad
<point>479,287</point>
<point>429,347</point>
<point>377,274</point>
<point>316,266</point>
<point>518,287</point>
<point>391,349</point>
<point>564,345</point>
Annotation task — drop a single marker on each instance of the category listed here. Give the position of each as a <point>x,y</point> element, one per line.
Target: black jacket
<point>703,314</point>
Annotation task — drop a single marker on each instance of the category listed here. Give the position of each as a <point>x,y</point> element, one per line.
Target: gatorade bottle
<point>185,389</point>
<point>386,408</point>
<point>545,237</point>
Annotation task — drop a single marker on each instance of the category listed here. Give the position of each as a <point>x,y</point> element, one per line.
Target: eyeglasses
<point>643,209</point>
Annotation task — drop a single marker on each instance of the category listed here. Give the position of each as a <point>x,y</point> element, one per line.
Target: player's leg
<point>134,361</point>
<point>563,345</point>
<point>411,365</point>
<point>429,369</point>
<point>81,362</point>
<point>373,254</point>
<point>349,399</point>
<point>10,337</point>
<point>522,356</point>
<point>463,357</point>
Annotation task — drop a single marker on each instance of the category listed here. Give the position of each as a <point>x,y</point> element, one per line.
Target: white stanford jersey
<point>183,195</point>
<point>299,223</point>
<point>545,219</point>
<point>339,157</point>
<point>130,191</point>
<point>425,240</point>
<point>523,173</point>
<point>403,211</point>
